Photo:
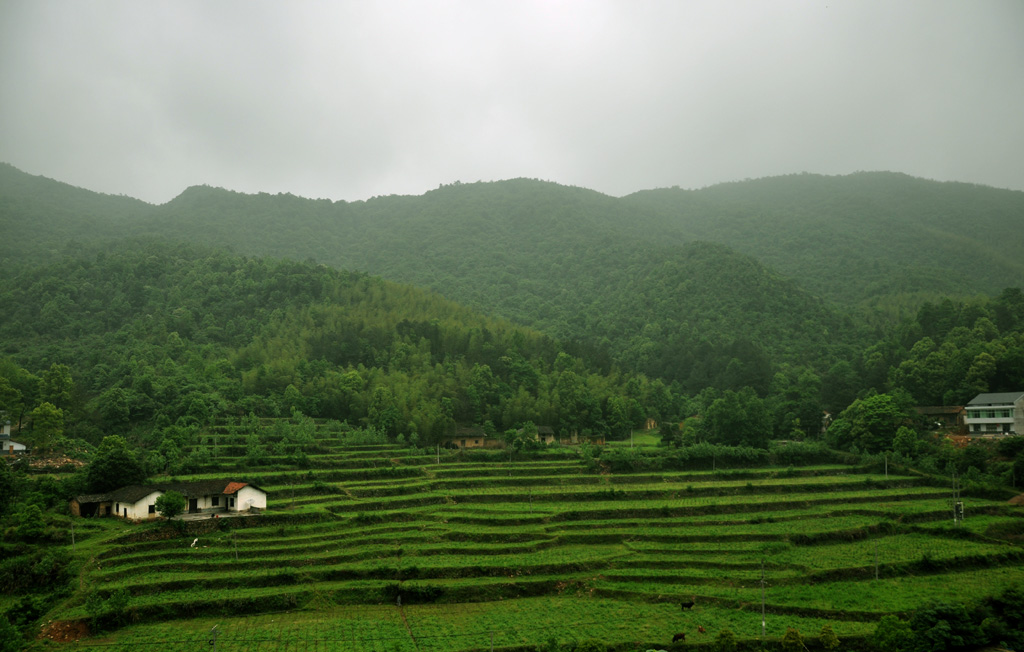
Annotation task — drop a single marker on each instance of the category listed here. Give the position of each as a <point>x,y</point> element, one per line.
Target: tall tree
<point>56,385</point>
<point>737,419</point>
<point>871,423</point>
<point>47,426</point>
<point>115,465</point>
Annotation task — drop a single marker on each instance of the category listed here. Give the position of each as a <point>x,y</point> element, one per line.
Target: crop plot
<point>387,550</point>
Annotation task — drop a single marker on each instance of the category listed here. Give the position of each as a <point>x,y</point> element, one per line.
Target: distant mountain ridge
<point>846,238</point>
<point>895,233</point>
<point>650,278</point>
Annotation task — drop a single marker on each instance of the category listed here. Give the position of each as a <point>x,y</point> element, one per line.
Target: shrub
<point>725,641</point>
<point>792,640</point>
<point>10,639</point>
<point>827,638</point>
<point>892,635</point>
<point>170,504</point>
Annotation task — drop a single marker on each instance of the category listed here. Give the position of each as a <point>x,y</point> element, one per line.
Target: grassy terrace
<point>381,548</point>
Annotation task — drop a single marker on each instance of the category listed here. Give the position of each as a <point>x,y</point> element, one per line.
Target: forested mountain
<point>174,336</point>
<point>849,239</point>
<point>644,283</point>
<point>159,340</point>
<point>866,237</point>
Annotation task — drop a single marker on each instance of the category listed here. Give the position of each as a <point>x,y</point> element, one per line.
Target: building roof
<point>996,399</point>
<point>234,486</point>
<point>134,493</point>
<point>939,409</point>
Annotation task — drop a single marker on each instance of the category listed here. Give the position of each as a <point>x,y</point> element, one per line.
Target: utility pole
<point>958,506</point>
<point>887,466</point>
<point>762,601</point>
<point>439,453</point>
<point>72,534</point>
<point>876,559</point>
<point>213,638</point>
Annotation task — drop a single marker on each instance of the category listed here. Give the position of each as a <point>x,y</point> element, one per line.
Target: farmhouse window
<point>231,502</point>
<point>152,509</point>
<point>215,501</point>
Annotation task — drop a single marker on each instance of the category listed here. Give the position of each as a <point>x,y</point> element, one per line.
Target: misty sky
<point>347,100</point>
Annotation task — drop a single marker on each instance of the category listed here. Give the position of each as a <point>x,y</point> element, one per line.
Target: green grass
<point>537,549</point>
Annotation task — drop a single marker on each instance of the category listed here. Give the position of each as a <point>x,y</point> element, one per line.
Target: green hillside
<point>856,238</point>
<point>561,260</point>
<point>175,335</point>
<point>134,341</point>
<point>849,239</point>
<point>384,548</point>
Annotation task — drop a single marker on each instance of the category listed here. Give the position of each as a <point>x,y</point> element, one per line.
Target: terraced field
<point>390,549</point>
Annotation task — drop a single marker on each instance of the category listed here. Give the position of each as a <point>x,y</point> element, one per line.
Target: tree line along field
<point>380,547</point>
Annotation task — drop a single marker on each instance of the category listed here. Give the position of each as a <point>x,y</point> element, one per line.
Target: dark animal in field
<point>688,604</point>
<point>700,628</point>
<point>681,636</point>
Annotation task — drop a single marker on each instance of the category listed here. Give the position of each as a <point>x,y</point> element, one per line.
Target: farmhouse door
<point>193,505</point>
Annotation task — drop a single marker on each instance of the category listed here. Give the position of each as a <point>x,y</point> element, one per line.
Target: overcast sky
<point>347,100</point>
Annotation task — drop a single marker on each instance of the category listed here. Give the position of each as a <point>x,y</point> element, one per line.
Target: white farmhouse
<point>138,502</point>
<point>996,414</point>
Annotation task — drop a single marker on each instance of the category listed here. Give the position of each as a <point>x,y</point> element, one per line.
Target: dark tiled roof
<point>132,493</point>
<point>197,488</point>
<point>940,409</point>
<point>92,498</point>
<point>994,399</point>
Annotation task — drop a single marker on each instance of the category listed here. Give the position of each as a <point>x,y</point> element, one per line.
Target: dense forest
<point>619,320</point>
<point>802,269</point>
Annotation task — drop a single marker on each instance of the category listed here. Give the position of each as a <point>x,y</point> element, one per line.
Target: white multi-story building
<point>996,414</point>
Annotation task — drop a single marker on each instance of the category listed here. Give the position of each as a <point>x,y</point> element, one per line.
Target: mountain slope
<point>178,335</point>
<point>855,237</point>
<point>625,275</point>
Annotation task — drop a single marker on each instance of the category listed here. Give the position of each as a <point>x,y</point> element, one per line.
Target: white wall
<point>245,494</point>
<point>138,510</point>
<point>8,446</point>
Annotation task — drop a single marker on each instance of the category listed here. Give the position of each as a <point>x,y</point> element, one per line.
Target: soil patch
<point>65,631</point>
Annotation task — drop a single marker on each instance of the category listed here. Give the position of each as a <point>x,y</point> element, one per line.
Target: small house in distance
<point>546,435</point>
<point>943,417</point>
<point>138,502</point>
<point>7,445</point>
<point>472,437</point>
<point>996,414</point>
